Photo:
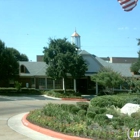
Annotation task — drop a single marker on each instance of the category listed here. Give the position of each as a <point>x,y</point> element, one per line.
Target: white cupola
<point>75,39</point>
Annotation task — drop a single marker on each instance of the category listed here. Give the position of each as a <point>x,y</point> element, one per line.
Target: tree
<point>63,59</point>
<point>108,78</point>
<point>135,67</point>
<point>19,56</point>
<point>9,67</point>
<point>23,57</point>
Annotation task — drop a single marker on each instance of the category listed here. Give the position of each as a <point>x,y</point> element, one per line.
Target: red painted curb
<point>74,99</point>
<point>50,132</point>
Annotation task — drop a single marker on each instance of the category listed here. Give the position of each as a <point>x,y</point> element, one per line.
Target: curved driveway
<point>11,106</point>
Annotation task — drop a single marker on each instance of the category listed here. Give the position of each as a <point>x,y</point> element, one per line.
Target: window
<point>49,83</point>
<point>22,69</point>
<point>58,84</point>
<point>41,81</point>
<point>69,83</point>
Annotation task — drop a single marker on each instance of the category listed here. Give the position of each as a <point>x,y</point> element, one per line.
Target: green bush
<point>18,86</point>
<point>67,107</point>
<point>108,100</point>
<point>74,109</point>
<point>83,105</point>
<point>96,109</point>
<point>91,123</point>
<point>82,112</point>
<point>13,91</point>
<point>136,115</point>
<point>91,114</point>
<point>60,94</point>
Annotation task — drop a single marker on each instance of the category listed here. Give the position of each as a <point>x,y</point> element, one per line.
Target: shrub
<point>67,107</point>
<point>107,100</point>
<point>91,114</point>
<point>60,94</point>
<point>74,109</point>
<point>83,105</point>
<point>136,115</point>
<point>18,86</point>
<point>82,112</point>
<point>101,119</point>
<point>96,110</point>
<point>52,109</point>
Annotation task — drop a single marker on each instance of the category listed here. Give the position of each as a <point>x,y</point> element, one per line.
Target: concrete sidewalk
<point>16,124</point>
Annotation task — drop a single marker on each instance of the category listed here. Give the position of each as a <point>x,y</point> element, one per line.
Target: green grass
<point>88,119</point>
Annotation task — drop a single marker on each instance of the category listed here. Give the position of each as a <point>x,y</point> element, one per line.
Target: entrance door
<point>81,85</point>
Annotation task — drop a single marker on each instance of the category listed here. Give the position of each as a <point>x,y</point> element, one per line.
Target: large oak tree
<point>19,56</point>
<point>63,59</point>
<point>9,67</point>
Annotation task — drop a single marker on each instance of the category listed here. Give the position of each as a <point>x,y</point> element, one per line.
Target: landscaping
<point>15,92</point>
<point>60,94</point>
<point>89,120</point>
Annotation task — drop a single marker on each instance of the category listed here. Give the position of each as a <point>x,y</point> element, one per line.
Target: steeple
<point>75,39</point>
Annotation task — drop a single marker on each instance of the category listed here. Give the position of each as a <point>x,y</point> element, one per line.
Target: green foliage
<point>135,67</point>
<point>62,58</point>
<point>13,91</point>
<point>83,105</point>
<point>134,84</point>
<point>136,115</point>
<point>61,94</point>
<point>82,112</point>
<point>91,114</point>
<point>9,67</point>
<point>91,123</point>
<point>107,78</point>
<point>108,100</point>
<point>18,86</point>
<point>19,56</point>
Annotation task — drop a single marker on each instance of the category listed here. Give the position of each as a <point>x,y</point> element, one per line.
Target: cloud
<point>123,28</point>
<point>135,28</point>
<point>127,28</point>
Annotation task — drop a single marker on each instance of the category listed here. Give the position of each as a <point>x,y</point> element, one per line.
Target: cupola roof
<point>75,34</point>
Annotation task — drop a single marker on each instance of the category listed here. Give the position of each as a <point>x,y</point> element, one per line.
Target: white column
<point>96,88</point>
<point>53,84</point>
<point>75,85</point>
<point>63,84</point>
<point>45,83</point>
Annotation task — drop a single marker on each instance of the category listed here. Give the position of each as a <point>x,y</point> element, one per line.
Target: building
<point>33,74</point>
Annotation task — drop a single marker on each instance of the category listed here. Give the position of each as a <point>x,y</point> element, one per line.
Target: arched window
<point>22,69</point>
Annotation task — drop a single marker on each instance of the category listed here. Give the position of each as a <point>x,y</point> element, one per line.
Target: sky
<point>105,29</point>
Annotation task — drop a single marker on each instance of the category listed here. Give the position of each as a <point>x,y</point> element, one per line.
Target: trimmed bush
<point>83,105</point>
<point>82,112</point>
<point>13,91</point>
<point>91,114</point>
<point>61,94</point>
<point>91,123</point>
<point>108,100</point>
<point>67,107</point>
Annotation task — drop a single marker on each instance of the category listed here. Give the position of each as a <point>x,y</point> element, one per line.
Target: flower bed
<point>87,120</point>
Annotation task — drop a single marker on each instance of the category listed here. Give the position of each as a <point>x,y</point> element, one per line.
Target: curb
<point>74,99</point>
<point>49,132</point>
<point>52,97</point>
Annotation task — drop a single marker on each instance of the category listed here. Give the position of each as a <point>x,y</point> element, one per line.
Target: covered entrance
<point>81,85</point>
